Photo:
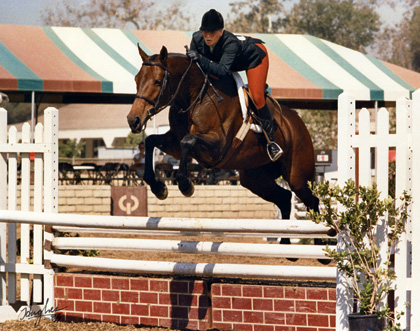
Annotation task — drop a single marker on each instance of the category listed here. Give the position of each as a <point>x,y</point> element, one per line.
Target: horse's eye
<point>157,82</point>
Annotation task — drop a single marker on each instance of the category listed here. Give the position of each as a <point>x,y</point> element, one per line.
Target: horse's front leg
<point>191,146</point>
<point>166,143</point>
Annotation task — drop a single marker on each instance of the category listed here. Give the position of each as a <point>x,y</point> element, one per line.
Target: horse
<point>203,127</point>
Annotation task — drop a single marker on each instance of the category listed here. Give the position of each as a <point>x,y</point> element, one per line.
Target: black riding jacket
<point>229,54</point>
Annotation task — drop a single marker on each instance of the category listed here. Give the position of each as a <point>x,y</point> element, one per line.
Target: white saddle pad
<point>240,84</point>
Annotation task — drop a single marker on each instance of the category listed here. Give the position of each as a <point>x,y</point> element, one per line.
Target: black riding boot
<point>266,120</point>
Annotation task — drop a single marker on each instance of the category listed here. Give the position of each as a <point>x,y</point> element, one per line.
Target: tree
<point>119,14</point>
<point>69,148</point>
<point>322,126</point>
<point>414,38</point>
<point>255,16</point>
<point>348,23</point>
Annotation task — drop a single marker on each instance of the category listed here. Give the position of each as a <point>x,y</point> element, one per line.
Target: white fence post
<point>415,216</point>
<point>3,203</point>
<point>403,183</point>
<point>346,170</point>
<point>50,193</point>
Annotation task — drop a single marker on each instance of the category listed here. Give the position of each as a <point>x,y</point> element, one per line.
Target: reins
<point>155,109</point>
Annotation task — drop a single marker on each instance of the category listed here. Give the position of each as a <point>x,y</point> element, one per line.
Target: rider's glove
<point>194,55</point>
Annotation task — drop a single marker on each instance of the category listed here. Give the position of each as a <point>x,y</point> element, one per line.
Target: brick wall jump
<point>194,304</point>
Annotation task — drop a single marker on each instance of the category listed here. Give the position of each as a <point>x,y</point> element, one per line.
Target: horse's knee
<point>188,142</point>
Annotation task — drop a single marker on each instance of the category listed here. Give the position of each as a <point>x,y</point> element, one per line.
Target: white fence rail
<point>355,141</point>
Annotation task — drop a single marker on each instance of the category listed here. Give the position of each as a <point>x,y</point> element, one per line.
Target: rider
<point>219,52</point>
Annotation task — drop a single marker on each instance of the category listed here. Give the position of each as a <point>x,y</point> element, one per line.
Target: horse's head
<point>152,89</point>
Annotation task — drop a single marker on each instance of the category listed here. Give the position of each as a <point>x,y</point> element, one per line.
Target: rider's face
<point>211,38</point>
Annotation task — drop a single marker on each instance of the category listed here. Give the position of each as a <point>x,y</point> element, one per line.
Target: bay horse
<point>204,129</point>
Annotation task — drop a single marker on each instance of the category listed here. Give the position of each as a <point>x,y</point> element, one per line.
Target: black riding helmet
<point>212,21</point>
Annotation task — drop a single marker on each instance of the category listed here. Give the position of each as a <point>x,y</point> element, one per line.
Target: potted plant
<point>368,275</point>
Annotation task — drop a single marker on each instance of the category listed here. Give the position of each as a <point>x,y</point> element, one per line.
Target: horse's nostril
<point>134,122</point>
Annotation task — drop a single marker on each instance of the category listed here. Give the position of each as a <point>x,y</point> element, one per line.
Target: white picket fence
<point>355,134</point>
<point>43,170</point>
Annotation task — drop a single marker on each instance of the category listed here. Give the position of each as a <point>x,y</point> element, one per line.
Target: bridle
<point>155,109</point>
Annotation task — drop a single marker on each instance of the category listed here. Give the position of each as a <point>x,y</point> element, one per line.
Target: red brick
<point>149,321</point>
<point>102,307</point>
<point>223,326</point>
<point>197,313</point>
<point>192,325</point>
<point>75,293</point>
<point>243,327</point>
<point>332,321</point>
<point>241,303</point>
<point>274,318</point>
<point>284,328</point>
<point>204,301</point>
<point>140,310</point>
<point>296,319</point>
<point>110,295</point>
<point>159,285</point>
<point>92,317</point>
<point>82,281</point>
<point>216,289</point>
<point>262,304</point>
<point>139,284</point>
<point>179,312</point>
<point>231,290</point>
<point>255,291</point>
<point>306,328</point>
<point>85,306</point>
<point>121,308</point>
<point>273,292</point>
<point>232,316</point>
<point>217,315</point>
<point>187,300</point>
<point>198,287</point>
<point>146,297</point>
<point>58,292</point>
<point>166,299</point>
<point>67,305</point>
<point>129,296</point>
<point>101,282</point>
<point>222,302</point>
<point>165,322</point>
<point>262,327</point>
<point>63,280</point>
<point>306,306</point>
<point>179,286</point>
<point>111,318</point>
<point>159,311</point>
<point>130,320</point>
<point>284,305</point>
<point>318,320</point>
<point>326,307</point>
<point>253,317</point>
<point>317,293</point>
<point>120,283</point>
<point>92,294</point>
<point>332,294</point>
<point>294,292</point>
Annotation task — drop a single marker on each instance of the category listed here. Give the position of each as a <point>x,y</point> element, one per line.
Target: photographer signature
<point>29,314</point>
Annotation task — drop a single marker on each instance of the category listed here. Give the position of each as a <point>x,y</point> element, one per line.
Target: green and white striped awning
<point>78,60</point>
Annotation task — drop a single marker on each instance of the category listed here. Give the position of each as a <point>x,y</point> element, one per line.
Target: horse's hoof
<point>324,261</point>
<point>186,187</point>
<point>160,190</point>
<point>331,233</point>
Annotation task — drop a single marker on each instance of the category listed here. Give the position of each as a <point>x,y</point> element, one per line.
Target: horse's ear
<point>163,54</point>
<point>142,53</point>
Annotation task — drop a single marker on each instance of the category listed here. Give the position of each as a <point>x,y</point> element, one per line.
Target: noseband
<point>155,109</point>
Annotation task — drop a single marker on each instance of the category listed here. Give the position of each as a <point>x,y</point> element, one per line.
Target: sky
<point>29,12</point>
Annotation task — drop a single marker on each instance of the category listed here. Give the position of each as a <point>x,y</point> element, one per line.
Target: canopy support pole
<point>32,116</point>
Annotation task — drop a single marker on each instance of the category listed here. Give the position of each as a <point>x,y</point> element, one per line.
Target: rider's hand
<point>194,55</point>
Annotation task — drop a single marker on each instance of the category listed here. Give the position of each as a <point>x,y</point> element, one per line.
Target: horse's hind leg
<point>262,182</point>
